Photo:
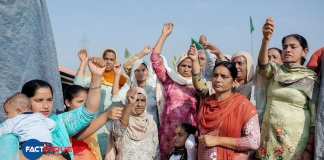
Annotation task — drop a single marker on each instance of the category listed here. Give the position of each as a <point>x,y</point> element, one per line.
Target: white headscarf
<point>149,88</point>
<point>174,75</point>
<point>249,64</point>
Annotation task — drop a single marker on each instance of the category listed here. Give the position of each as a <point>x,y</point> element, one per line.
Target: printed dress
<point>180,106</point>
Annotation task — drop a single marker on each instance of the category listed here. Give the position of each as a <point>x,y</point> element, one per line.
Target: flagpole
<point>252,44</point>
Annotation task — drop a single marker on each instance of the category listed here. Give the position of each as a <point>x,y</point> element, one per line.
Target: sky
<point>101,24</point>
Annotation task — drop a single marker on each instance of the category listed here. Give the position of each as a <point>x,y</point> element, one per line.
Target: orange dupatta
<point>230,115</point>
<point>108,77</point>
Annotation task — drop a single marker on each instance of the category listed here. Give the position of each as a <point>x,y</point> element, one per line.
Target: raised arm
<point>131,99</point>
<point>117,70</point>
<point>97,68</point>
<point>156,59</point>
<point>211,60</point>
<point>112,114</point>
<point>193,55</point>
<point>129,64</point>
<point>167,29</point>
<point>214,50</point>
<point>267,30</point>
<point>80,79</point>
<point>84,58</point>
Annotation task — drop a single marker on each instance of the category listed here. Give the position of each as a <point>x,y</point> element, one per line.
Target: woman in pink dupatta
<point>180,97</point>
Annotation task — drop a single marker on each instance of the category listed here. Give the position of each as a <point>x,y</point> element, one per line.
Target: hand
<point>132,94</point>
<point>147,50</point>
<point>268,29</point>
<point>306,156</point>
<point>167,29</point>
<point>193,53</point>
<point>83,55</point>
<point>213,49</point>
<point>203,40</point>
<point>114,113</point>
<point>97,66</point>
<point>118,68</point>
<point>208,141</point>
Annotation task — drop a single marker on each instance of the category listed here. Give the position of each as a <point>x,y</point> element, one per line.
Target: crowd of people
<point>211,107</point>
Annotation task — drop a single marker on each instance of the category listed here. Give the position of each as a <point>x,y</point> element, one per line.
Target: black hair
<point>71,92</point>
<point>190,129</point>
<point>108,51</point>
<point>30,88</point>
<point>230,66</point>
<point>302,41</point>
<point>277,49</point>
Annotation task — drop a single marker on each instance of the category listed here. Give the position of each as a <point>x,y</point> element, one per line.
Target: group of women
<point>210,107</point>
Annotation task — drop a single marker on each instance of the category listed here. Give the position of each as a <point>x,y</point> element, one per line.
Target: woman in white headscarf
<point>176,92</point>
<point>245,69</point>
<point>134,135</point>
<point>143,76</point>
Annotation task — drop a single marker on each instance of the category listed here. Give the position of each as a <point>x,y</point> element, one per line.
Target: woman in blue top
<point>70,123</point>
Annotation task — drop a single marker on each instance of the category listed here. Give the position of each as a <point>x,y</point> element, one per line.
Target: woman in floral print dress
<point>289,121</point>
<point>179,93</point>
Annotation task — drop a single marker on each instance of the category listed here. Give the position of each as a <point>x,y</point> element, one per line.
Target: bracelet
<point>81,69</point>
<point>95,87</point>
<point>122,120</point>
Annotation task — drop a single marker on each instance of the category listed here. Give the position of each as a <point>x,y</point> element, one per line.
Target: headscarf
<point>245,89</point>
<point>108,77</point>
<point>232,114</point>
<point>175,76</point>
<point>249,64</point>
<point>139,127</point>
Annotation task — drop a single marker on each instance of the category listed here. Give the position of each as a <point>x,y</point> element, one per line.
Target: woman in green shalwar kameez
<point>292,93</point>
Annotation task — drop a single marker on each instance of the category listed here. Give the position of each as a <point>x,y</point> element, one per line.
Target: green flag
<point>127,54</point>
<point>251,25</point>
<point>174,61</point>
<point>198,45</point>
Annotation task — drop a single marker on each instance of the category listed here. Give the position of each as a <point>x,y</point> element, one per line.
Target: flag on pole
<point>174,59</point>
<point>127,54</point>
<point>198,45</point>
<point>251,25</point>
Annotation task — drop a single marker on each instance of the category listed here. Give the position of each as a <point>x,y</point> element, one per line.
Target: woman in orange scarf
<point>107,81</point>
<point>228,122</point>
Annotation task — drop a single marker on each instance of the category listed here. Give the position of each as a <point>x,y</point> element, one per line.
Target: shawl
<point>108,77</point>
<point>139,127</point>
<point>232,114</point>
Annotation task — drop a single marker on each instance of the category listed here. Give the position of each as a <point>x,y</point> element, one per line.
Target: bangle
<point>81,70</point>
<point>122,120</point>
<point>95,87</point>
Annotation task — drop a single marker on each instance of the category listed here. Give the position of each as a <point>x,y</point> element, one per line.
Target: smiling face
<point>222,80</point>
<point>241,66</point>
<point>292,51</point>
<point>185,68</point>
<point>140,104</point>
<point>141,73</point>
<point>179,137</point>
<point>42,101</point>
<point>274,56</point>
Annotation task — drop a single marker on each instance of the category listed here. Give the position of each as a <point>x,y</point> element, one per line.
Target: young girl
<point>75,97</point>
<point>184,143</point>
